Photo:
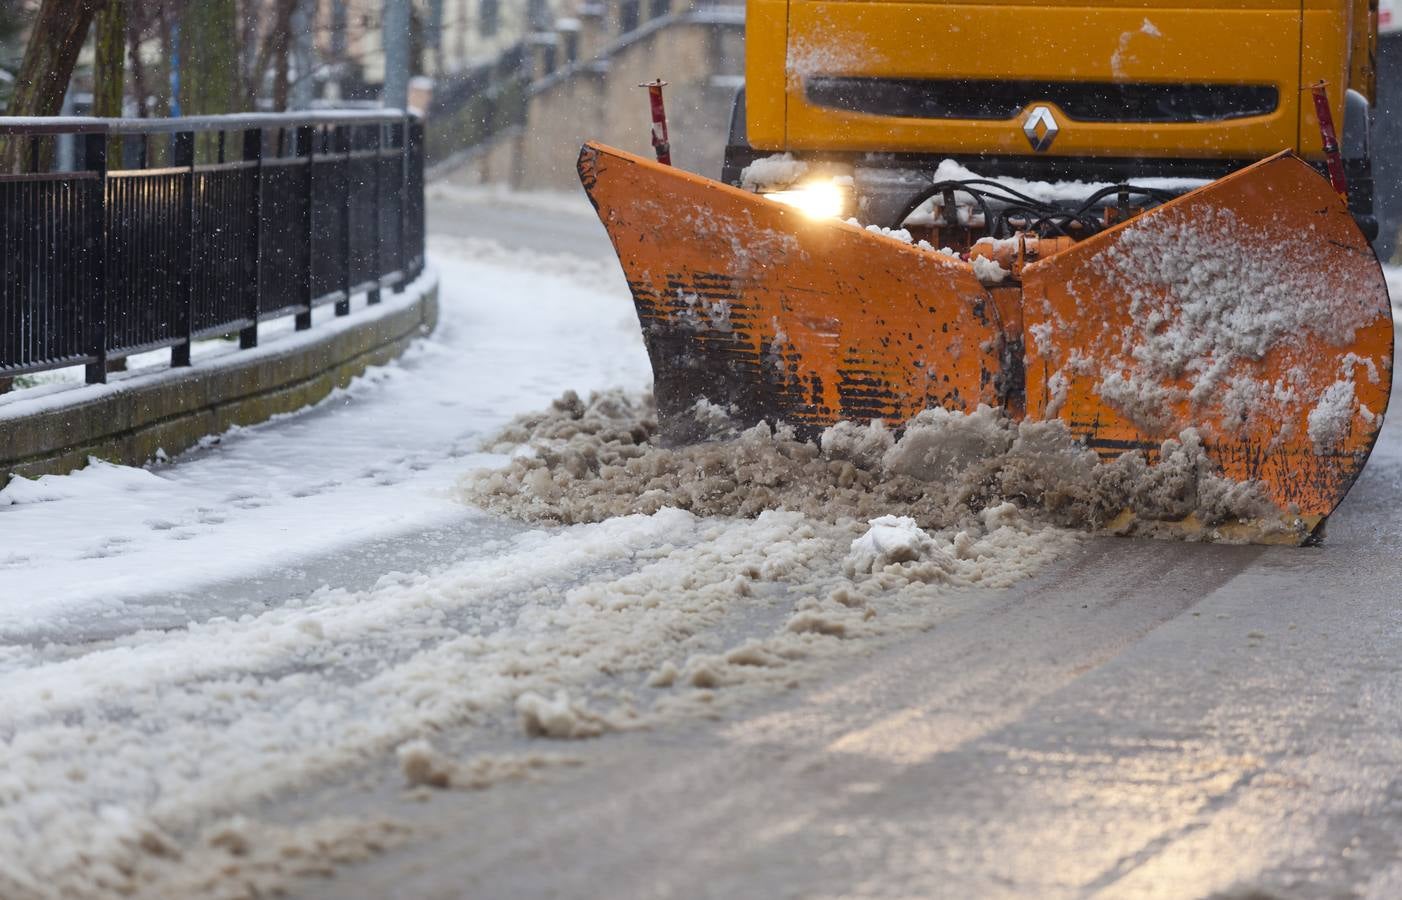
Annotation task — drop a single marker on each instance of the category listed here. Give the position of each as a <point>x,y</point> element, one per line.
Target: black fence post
<point>95,311</point>
<point>253,288</point>
<point>345,143</point>
<point>182,151</point>
<point>403,206</point>
<point>416,160</point>
<point>306,139</point>
<point>377,241</point>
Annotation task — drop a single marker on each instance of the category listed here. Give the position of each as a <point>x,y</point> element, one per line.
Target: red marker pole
<point>1330,140</point>
<point>660,142</point>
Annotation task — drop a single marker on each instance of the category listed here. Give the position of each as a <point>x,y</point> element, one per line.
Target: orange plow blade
<point>1251,311</point>
<point>750,305</point>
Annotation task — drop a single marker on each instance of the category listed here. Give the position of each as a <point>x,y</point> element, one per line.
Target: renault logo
<point>1040,128</point>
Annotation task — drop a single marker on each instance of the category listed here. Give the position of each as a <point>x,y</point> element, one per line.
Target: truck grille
<point>921,98</point>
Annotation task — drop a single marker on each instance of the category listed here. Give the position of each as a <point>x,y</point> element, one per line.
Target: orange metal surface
<point>1267,251</point>
<point>1016,252</point>
<point>1178,42</point>
<point>1251,310</point>
<point>748,303</point>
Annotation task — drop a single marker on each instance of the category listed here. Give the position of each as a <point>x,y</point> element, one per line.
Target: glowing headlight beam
<point>817,200</point>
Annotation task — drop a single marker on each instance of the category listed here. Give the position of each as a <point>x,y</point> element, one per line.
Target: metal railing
<point>223,221</point>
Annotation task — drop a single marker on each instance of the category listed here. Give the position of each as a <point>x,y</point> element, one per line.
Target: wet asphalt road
<point>1150,720</point>
<point>1145,720</point>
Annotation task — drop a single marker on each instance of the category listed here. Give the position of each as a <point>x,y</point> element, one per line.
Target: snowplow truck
<point>1136,218</point>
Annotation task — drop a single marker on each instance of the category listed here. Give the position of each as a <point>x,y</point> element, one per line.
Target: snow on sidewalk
<point>376,459</point>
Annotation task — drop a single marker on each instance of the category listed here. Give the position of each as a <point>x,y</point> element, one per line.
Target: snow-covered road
<point>220,674</point>
<point>113,549</point>
<point>123,589</point>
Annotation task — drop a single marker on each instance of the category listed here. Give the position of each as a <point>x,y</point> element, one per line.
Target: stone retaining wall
<point>699,53</point>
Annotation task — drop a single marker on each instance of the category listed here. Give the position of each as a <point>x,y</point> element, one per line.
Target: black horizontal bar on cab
<point>1083,101</point>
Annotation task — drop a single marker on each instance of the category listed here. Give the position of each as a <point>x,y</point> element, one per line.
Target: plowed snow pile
<point>586,462</point>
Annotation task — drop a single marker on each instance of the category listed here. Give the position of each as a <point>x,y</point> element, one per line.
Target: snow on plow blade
<point>1251,310</point>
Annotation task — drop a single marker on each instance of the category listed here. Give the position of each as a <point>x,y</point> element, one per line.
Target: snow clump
<point>891,539</point>
<point>1329,421</point>
<point>988,271</point>
<point>558,717</point>
<point>768,172</point>
<point>900,234</point>
<point>423,765</point>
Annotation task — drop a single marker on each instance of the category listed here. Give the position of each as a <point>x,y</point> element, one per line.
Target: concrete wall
<point>128,421</point>
<point>699,53</point>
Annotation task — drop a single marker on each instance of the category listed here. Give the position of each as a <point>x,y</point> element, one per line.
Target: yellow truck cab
<point>1111,90</point>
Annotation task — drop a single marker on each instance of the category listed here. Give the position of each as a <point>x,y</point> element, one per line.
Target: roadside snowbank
<point>99,477</point>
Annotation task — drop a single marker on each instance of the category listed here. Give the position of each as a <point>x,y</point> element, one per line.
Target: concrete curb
<point>128,421</point>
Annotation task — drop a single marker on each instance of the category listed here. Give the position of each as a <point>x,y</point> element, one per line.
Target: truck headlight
<point>821,199</point>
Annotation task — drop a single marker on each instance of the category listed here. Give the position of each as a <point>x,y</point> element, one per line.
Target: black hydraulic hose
<point>974,187</point>
<point>1156,194</point>
<point>1037,212</point>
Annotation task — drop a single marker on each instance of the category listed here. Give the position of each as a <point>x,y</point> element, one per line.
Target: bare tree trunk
<point>274,52</point>
<point>303,87</point>
<point>58,34</point>
<point>109,80</point>
<point>250,16</point>
<point>164,88</point>
<point>397,29</point>
<point>59,30</point>
<point>209,59</point>
<point>209,64</point>
<point>140,84</point>
<point>281,40</point>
